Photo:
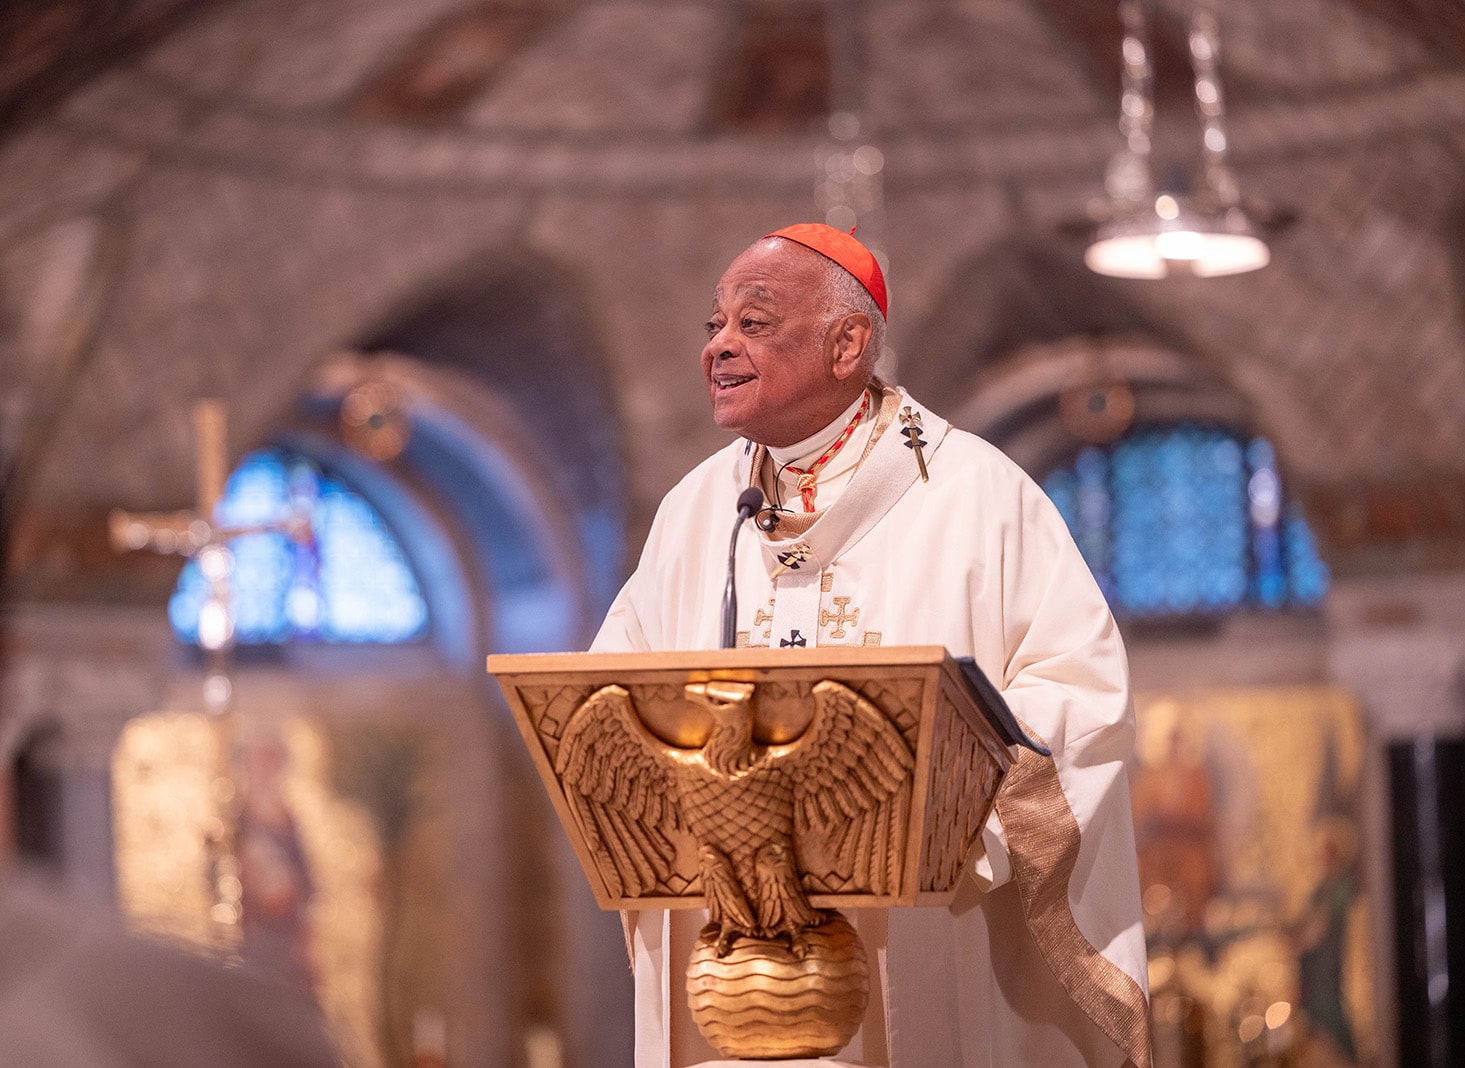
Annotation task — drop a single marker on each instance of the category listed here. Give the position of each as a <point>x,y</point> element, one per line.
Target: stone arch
<point>485,531</point>
<point>1024,321</point>
<point>1015,400</point>
<point>516,324</point>
<point>512,460</point>
<point>34,800</point>
<point>1016,293</point>
<point>507,499</point>
<point>54,803</point>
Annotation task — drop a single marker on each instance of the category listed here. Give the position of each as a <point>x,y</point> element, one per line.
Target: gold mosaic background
<point>171,793</point>
<point>1247,819</point>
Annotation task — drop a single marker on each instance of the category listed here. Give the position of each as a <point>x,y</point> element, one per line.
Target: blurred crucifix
<point>198,534</point>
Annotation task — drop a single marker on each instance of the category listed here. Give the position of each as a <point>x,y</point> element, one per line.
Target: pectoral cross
<point>791,560</point>
<point>910,421</point>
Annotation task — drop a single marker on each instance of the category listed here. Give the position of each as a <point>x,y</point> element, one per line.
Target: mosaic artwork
<point>1246,806</point>
<point>307,851</point>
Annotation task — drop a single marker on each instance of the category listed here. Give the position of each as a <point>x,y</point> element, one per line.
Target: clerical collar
<point>822,464</point>
<point>803,453</point>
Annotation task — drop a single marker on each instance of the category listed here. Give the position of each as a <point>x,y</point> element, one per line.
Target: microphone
<point>749,501</point>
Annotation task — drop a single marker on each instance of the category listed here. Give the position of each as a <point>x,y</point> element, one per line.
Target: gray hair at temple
<point>843,293</point>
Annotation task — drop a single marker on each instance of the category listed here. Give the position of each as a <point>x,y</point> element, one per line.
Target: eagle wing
<point>852,770</point>
<point>616,777</point>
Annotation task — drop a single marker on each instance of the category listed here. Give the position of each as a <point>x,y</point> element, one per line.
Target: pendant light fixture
<point>1152,233</point>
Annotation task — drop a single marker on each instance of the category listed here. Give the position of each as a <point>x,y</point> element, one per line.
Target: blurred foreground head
<point>77,991</point>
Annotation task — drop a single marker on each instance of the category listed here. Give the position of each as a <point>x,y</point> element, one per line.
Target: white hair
<point>843,294</point>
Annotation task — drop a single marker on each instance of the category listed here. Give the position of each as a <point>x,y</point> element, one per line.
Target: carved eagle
<point>845,781</point>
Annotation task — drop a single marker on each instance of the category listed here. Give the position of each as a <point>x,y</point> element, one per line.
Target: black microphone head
<point>749,501</point>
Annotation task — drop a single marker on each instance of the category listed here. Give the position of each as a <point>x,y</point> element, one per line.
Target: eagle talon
<point>720,937</point>
<point>797,944</point>
<point>725,942</point>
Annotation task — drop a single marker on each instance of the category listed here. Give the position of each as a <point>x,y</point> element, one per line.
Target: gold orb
<point>760,1002</point>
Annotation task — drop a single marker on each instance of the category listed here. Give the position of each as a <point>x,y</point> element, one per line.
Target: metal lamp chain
<point>1210,105</point>
<point>1129,179</point>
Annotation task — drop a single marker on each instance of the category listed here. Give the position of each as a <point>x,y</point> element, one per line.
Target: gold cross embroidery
<point>839,617</point>
<point>763,616</point>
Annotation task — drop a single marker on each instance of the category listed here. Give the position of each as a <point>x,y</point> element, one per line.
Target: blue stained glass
<point>1188,519</point>
<point>260,581</point>
<point>1264,494</point>
<point>1306,573</point>
<point>348,582</point>
<point>1177,546</point>
<point>1092,503</point>
<point>186,603</point>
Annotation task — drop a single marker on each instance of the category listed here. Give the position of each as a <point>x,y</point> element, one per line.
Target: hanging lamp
<point>1151,233</point>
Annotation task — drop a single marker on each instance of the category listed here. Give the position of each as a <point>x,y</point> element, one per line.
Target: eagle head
<point>729,746</point>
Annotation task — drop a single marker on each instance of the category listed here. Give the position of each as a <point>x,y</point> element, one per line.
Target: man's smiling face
<point>769,355</point>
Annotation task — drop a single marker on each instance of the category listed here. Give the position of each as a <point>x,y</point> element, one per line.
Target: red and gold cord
<point>808,477</point>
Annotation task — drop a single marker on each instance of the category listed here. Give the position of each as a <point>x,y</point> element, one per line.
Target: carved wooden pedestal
<point>766,786</point>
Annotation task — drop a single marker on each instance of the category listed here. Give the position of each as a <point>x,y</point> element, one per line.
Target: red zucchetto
<point>844,250</point>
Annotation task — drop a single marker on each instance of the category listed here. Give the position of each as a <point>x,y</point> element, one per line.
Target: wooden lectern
<point>768,786</point>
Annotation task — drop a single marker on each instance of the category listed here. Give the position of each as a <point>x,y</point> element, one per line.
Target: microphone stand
<point>749,501</point>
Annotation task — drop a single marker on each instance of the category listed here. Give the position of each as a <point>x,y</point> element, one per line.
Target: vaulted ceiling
<point>213,195</point>
<point>779,50</point>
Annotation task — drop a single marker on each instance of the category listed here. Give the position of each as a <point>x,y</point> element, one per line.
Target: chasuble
<point>1041,957</point>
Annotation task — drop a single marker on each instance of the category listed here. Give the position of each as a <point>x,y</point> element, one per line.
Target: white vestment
<point>1041,958</point>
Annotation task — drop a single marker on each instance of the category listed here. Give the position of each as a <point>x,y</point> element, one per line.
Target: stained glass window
<point>342,578</point>
<point>1188,520</point>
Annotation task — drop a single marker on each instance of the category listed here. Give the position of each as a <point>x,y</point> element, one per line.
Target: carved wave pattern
<point>761,1002</point>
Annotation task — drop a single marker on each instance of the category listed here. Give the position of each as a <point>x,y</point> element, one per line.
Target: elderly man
<point>895,528</point>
